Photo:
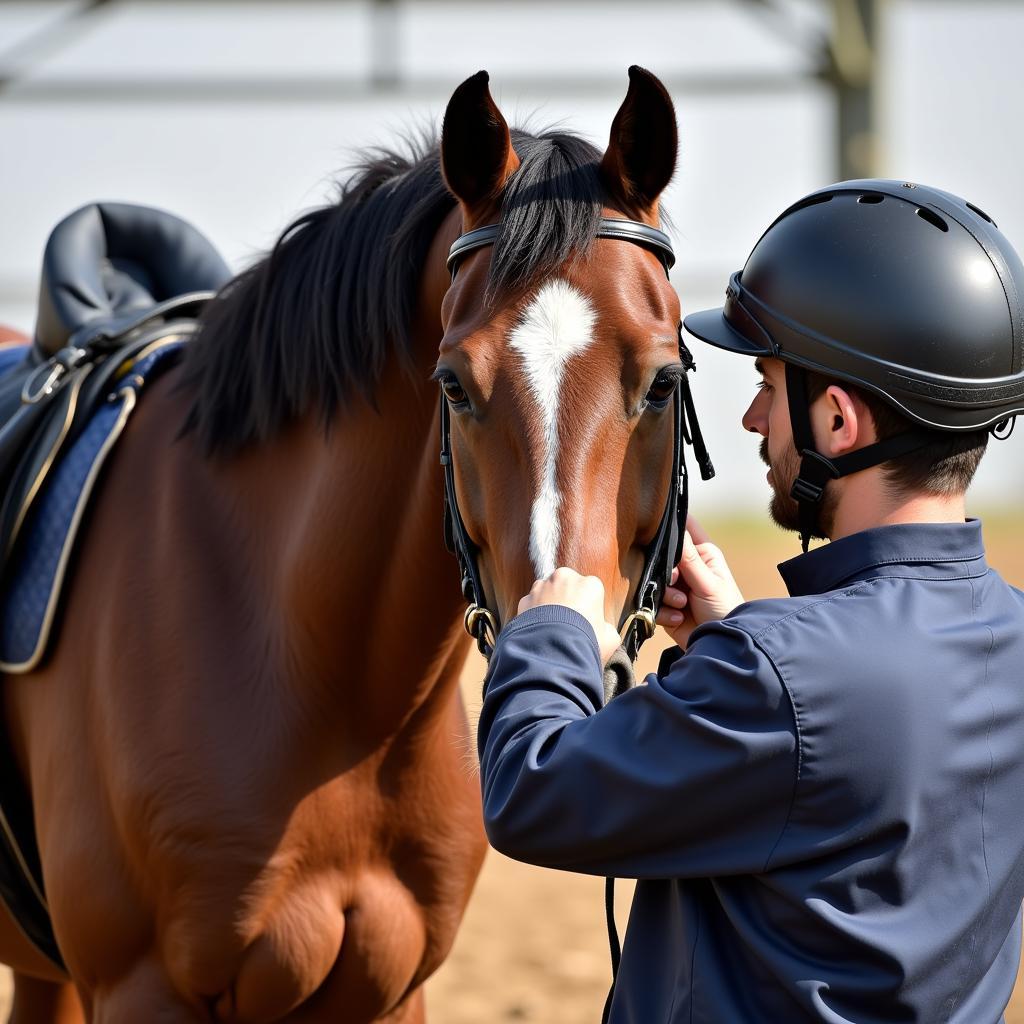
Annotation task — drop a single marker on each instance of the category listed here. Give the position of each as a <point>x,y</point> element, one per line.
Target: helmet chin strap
<point>816,470</point>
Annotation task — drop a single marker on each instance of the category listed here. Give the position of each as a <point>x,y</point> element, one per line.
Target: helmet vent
<point>982,214</point>
<point>871,197</point>
<point>824,197</point>
<point>933,218</point>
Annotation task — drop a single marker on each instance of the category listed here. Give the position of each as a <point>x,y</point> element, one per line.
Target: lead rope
<point>614,948</point>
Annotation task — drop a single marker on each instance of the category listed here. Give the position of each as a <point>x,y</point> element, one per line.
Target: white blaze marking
<point>558,323</point>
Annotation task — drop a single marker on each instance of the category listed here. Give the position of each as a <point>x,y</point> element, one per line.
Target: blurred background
<point>239,115</point>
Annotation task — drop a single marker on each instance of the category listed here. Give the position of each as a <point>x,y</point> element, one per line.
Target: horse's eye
<point>454,391</point>
<point>662,389</point>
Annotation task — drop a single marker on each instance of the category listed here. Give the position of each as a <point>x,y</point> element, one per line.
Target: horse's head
<point>560,352</point>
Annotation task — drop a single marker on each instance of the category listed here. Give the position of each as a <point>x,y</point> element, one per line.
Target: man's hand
<point>703,588</point>
<point>585,594</point>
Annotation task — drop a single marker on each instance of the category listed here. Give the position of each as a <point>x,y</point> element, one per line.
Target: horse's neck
<point>374,595</point>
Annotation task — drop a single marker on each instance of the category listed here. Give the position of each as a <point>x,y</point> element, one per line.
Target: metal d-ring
<point>643,615</point>
<point>55,367</point>
<point>29,394</point>
<point>476,612</point>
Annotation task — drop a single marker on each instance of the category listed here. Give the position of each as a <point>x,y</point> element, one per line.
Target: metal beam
<point>49,39</point>
<point>386,50</point>
<point>852,70</point>
<point>385,77</point>
<point>329,90</point>
<point>781,23</point>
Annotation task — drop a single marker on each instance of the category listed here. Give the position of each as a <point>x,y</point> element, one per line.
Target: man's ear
<point>477,157</point>
<point>841,422</point>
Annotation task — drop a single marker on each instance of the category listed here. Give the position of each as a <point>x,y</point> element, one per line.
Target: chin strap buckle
<point>815,472</point>
<point>804,490</point>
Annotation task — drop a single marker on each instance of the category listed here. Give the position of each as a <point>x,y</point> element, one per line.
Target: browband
<point>609,227</point>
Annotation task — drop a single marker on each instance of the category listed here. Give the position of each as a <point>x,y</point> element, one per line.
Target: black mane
<point>319,317</point>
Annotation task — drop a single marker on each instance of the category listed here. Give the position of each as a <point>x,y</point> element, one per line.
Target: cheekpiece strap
<point>666,549</point>
<point>457,539</point>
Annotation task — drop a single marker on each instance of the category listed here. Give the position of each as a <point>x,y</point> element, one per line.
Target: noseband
<point>663,553</point>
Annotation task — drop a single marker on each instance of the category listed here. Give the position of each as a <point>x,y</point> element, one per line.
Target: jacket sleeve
<point>689,775</point>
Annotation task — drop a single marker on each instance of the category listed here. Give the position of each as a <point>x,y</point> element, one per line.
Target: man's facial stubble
<point>783,509</point>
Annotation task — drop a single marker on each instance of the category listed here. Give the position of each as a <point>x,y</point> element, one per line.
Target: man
<point>823,797</point>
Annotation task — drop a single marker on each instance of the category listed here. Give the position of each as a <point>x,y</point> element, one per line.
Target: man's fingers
<point>710,554</point>
<point>696,531</point>
<point>669,617</point>
<point>696,574</point>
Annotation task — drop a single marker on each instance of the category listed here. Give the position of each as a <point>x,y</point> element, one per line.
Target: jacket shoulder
<point>758,618</point>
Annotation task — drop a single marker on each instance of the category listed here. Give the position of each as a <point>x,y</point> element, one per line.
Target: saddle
<point>116,278</point>
<point>121,288</point>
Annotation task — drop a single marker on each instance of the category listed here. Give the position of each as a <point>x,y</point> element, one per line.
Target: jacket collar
<point>923,550</point>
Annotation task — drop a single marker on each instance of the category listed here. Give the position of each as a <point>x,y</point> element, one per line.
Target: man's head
<point>888,319</point>
<point>846,418</point>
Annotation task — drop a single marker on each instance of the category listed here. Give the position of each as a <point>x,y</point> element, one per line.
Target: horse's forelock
<point>550,208</point>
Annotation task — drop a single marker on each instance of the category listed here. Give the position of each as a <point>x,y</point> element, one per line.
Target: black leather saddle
<point>117,280</point>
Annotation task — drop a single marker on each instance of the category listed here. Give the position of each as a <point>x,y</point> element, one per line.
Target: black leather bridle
<point>665,549</point>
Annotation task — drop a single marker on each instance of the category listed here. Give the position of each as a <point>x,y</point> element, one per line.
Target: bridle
<point>665,549</point>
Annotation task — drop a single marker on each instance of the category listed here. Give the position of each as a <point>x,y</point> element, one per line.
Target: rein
<point>664,552</point>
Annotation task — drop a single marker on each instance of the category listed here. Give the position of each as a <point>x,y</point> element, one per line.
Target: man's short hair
<point>944,467</point>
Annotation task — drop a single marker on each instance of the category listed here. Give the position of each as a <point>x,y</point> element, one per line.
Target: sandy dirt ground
<point>533,945</point>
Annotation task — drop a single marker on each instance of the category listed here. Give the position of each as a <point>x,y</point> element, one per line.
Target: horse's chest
<point>355,908</point>
<point>355,941</point>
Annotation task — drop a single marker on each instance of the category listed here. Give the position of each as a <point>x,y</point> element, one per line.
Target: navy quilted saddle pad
<point>39,564</point>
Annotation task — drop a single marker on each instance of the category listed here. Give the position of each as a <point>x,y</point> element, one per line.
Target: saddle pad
<point>10,356</point>
<point>31,591</point>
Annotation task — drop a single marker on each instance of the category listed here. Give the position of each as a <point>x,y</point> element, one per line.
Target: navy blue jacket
<point>823,799</point>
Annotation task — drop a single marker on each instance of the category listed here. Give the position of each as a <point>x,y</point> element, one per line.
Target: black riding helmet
<point>906,291</point>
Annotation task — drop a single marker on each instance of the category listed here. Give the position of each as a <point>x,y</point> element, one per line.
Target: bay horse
<point>247,753</point>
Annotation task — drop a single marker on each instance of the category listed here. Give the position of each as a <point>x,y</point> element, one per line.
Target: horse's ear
<point>641,155</point>
<point>476,149</point>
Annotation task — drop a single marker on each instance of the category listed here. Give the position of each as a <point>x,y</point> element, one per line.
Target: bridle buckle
<point>644,618</point>
<point>475,616</point>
